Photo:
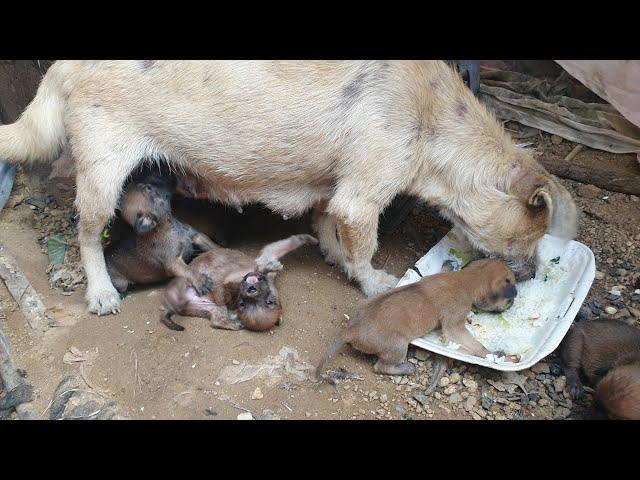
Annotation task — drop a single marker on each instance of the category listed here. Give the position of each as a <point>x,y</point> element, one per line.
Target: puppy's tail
<point>336,345</point>
<point>39,133</point>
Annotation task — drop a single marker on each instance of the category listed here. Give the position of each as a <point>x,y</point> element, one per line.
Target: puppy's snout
<point>251,289</point>
<point>509,292</point>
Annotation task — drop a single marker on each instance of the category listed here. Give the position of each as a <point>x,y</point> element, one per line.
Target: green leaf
<point>56,248</point>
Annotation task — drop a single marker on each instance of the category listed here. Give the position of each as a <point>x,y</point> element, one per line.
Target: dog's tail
<point>39,133</point>
<point>333,348</point>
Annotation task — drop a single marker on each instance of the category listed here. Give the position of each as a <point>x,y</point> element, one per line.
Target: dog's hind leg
<point>268,260</point>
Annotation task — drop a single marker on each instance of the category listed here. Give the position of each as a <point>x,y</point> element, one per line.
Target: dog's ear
<point>546,199</point>
<point>144,224</point>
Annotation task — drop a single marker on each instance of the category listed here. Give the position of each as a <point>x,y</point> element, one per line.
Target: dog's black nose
<point>251,289</point>
<point>509,291</point>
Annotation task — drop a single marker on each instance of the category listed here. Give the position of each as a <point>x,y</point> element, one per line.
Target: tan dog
<point>384,325</point>
<point>346,135</point>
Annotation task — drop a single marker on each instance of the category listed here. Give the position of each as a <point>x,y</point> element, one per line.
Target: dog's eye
<point>270,302</point>
<point>241,304</point>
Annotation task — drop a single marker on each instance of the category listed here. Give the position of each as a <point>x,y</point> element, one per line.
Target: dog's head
<point>505,218</point>
<point>500,290</point>
<point>145,205</point>
<point>258,305</point>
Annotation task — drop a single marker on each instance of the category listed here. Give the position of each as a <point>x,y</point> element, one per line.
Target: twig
<point>572,154</point>
<point>136,378</point>
<point>287,407</point>
<point>235,405</point>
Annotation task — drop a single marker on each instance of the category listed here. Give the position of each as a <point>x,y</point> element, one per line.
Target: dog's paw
<point>379,282</point>
<point>575,389</point>
<point>266,266</point>
<point>103,302</point>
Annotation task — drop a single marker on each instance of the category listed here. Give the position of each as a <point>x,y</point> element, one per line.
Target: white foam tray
<point>575,287</point>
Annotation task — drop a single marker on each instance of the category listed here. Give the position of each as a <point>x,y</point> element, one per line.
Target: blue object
<point>7,175</point>
<point>473,69</point>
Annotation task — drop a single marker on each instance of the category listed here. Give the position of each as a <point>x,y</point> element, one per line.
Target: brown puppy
<point>618,393</point>
<point>159,246</point>
<point>385,324</point>
<point>593,348</point>
<point>242,284</point>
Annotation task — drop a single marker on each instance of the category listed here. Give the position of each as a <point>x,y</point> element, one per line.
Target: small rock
<point>611,310</point>
<point>450,390</point>
<point>383,398</point>
<point>533,397</point>
<point>257,394</point>
<point>444,381</point>
<point>540,367</point>
<point>561,413</point>
<point>454,377</point>
<point>455,398</point>
<point>559,384</point>
<point>620,272</point>
<point>599,275</point>
<point>423,399</point>
<point>470,403</point>
<point>245,416</point>
<point>235,362</point>
<point>470,384</point>
<point>556,139</point>
<point>634,312</point>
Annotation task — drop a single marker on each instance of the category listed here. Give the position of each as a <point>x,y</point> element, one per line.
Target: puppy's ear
<point>144,224</point>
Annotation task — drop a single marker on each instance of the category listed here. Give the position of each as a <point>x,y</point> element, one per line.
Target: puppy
<point>241,284</point>
<point>159,246</point>
<point>617,395</point>
<point>595,347</point>
<point>385,324</point>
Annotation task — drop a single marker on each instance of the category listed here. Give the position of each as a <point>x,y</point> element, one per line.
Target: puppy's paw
<point>204,285</point>
<point>575,389</point>
<point>265,266</point>
<point>103,302</point>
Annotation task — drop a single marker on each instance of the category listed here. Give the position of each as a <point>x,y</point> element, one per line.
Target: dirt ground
<point>155,373</point>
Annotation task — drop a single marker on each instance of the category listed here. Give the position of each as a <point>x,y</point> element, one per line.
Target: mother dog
<point>345,136</point>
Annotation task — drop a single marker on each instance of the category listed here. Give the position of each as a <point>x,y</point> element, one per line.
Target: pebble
<point>634,312</point>
<point>621,272</point>
<point>455,398</point>
<point>561,413</point>
<point>454,377</point>
<point>470,403</point>
<point>244,416</point>
<point>559,384</point>
<point>599,275</point>
<point>611,310</point>
<point>235,362</point>
<point>444,381</point>
<point>257,394</point>
<point>449,390</point>
<point>540,367</point>
<point>556,139</point>
<point>383,398</point>
<point>588,191</point>
<point>470,384</point>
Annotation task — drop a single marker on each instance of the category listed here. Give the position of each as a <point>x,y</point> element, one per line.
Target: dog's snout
<point>509,291</point>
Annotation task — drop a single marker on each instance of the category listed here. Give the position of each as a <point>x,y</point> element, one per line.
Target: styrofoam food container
<point>571,292</point>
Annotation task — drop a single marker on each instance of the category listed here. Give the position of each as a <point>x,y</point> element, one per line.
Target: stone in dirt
<point>540,367</point>
<point>257,394</point>
<point>244,416</point>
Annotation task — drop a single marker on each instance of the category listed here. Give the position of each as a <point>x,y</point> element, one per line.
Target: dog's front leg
<point>357,227</point>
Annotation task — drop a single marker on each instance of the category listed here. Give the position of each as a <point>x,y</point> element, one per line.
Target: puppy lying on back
<point>159,246</point>
<point>241,284</point>
<point>607,353</point>
<point>384,325</point>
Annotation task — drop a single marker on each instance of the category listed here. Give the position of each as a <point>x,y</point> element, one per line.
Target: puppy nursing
<point>240,283</point>
<point>159,246</point>
<point>384,325</point>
